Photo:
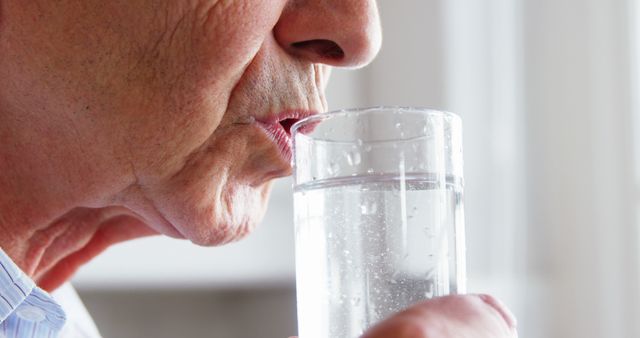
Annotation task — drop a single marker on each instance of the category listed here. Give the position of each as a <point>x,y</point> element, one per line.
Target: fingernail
<point>502,310</point>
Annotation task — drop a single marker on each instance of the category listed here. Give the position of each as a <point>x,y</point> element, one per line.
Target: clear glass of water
<point>378,215</point>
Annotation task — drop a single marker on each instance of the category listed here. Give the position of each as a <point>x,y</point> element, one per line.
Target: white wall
<point>583,202</point>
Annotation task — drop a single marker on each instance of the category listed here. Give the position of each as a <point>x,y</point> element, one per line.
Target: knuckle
<point>500,309</point>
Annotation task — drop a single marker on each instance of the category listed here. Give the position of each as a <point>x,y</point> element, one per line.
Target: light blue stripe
<point>28,312</point>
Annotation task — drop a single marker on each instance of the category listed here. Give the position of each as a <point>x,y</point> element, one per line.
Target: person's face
<point>164,93</point>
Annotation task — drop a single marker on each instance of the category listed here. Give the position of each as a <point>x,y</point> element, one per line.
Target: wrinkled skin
<point>122,119</point>
<point>131,109</point>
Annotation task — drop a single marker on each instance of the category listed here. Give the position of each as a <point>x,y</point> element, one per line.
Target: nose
<point>341,33</point>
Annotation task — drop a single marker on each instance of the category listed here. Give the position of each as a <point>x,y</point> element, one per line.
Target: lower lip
<point>279,136</point>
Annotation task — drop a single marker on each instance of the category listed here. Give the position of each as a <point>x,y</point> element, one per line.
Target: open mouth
<point>278,128</point>
<point>287,124</point>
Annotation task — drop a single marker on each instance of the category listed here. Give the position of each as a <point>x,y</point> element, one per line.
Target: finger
<point>471,316</point>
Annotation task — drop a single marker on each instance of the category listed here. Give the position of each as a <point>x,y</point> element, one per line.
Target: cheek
<point>232,33</point>
<point>177,100</point>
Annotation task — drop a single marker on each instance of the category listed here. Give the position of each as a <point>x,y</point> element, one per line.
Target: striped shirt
<point>25,309</point>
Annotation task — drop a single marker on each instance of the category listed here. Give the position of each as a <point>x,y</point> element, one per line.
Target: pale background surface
<point>548,93</point>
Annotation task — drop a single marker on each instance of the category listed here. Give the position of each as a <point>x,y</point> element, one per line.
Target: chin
<point>232,217</point>
<point>220,233</point>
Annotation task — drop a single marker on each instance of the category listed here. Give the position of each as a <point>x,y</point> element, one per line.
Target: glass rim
<point>366,110</point>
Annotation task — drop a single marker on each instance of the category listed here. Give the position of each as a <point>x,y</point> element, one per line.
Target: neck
<point>54,213</point>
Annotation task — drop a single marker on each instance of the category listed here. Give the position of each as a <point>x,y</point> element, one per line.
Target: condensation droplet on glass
<point>398,125</point>
<point>429,292</point>
<point>367,148</point>
<point>354,158</point>
<point>359,142</point>
<point>346,252</point>
<point>333,168</point>
<point>429,232</point>
<point>370,171</point>
<point>430,274</point>
<point>355,301</point>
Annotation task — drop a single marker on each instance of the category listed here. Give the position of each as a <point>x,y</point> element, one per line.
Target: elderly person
<point>122,119</point>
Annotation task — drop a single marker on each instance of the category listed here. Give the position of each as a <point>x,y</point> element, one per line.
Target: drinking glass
<point>379,220</point>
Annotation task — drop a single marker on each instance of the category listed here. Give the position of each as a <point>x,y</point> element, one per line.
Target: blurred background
<point>549,95</point>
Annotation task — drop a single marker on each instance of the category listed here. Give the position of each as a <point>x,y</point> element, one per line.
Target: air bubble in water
<point>369,208</point>
<point>373,208</point>
<point>398,125</point>
<point>370,171</point>
<point>367,148</point>
<point>359,142</point>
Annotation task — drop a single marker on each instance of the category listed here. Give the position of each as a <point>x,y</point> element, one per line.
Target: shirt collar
<point>16,288</point>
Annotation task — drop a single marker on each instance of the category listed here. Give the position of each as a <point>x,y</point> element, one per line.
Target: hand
<point>471,316</point>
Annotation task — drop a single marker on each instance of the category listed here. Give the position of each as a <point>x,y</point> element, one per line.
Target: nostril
<point>323,48</point>
<point>287,123</point>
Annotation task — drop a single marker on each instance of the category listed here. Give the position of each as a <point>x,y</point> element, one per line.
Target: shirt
<point>27,311</point>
